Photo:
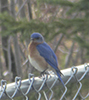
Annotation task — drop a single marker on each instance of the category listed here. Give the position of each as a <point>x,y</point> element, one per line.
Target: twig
<point>25,62</point>
<point>9,58</point>
<point>69,55</point>
<point>21,7</point>
<point>58,42</point>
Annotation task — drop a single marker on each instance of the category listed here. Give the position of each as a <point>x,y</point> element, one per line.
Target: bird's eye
<point>37,38</point>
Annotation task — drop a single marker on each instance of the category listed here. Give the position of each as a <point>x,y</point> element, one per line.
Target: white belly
<point>35,64</point>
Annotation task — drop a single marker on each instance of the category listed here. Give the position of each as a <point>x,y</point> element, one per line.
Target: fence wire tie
<point>18,82</point>
<point>71,76</point>
<point>50,88</point>
<point>86,71</point>
<point>17,86</point>
<point>74,71</point>
<point>80,84</point>
<point>31,80</point>
<point>44,78</point>
<point>82,77</point>
<point>3,87</point>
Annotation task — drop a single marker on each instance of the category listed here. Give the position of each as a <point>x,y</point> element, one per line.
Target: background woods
<point>63,23</point>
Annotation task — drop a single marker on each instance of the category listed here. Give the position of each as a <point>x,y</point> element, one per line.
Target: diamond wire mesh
<point>36,84</point>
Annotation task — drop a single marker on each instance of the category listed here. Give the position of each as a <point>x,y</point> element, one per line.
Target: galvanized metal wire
<point>38,85</point>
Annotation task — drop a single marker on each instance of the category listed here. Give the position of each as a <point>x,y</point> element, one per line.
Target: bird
<point>41,55</point>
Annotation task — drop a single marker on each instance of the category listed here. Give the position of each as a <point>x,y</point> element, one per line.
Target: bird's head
<point>37,38</point>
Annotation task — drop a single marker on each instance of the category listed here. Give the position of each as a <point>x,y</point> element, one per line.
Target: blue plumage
<point>50,57</point>
<point>48,54</point>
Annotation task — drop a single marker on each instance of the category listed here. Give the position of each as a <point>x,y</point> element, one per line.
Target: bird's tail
<point>60,78</point>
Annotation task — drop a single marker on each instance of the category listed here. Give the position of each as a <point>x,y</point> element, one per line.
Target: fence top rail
<point>23,87</point>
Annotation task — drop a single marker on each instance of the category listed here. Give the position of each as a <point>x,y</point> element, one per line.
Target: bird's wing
<point>48,54</point>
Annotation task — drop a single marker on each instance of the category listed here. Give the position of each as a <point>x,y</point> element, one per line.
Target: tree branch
<point>60,39</point>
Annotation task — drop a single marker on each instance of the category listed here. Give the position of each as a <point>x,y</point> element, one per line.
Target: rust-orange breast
<point>32,49</point>
<point>35,59</point>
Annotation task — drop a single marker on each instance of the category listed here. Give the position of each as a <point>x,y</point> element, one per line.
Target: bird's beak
<point>32,39</point>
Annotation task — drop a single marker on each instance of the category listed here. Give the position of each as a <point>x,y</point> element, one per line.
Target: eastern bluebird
<point>40,55</point>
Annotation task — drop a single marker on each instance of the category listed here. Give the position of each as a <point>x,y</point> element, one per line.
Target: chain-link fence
<point>39,84</point>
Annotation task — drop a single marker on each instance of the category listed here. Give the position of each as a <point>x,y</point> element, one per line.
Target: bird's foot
<point>44,73</point>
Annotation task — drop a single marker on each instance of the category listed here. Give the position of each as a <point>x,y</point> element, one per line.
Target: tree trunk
<point>29,10</point>
<point>17,56</point>
<point>4,39</point>
<point>16,46</point>
<point>1,76</point>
